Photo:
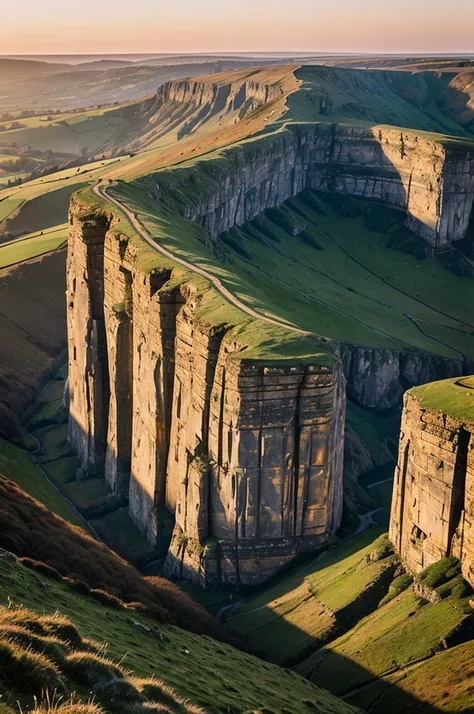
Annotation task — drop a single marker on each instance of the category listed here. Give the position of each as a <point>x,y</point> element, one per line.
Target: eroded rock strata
<point>433,499</point>
<point>246,454</point>
<point>431,181</point>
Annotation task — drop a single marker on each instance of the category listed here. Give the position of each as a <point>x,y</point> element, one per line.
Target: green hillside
<point>451,396</point>
<point>347,274</point>
<point>127,660</point>
<point>350,621</point>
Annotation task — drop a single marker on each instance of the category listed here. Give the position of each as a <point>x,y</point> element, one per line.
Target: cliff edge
<point>433,499</point>
<point>189,407</point>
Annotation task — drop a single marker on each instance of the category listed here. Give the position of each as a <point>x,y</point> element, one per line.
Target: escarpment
<point>245,453</point>
<point>218,95</point>
<point>433,499</point>
<point>178,407</point>
<point>183,107</point>
<point>432,182</point>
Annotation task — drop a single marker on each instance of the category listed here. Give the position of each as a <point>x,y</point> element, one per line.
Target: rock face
<point>378,378</point>
<point>433,500</point>
<point>246,455</point>
<point>432,182</point>
<point>215,96</point>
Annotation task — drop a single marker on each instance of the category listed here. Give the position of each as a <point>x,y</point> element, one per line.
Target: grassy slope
<point>295,613</point>
<point>13,197</point>
<point>371,97</point>
<point>211,674</point>
<point>42,212</point>
<point>57,460</point>
<point>402,631</point>
<point>32,245</point>
<point>261,340</point>
<point>16,465</point>
<point>347,290</point>
<point>444,682</point>
<point>321,603</point>
<point>32,332</point>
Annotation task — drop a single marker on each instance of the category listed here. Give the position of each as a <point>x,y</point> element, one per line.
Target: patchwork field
<point>32,245</point>
<point>42,212</point>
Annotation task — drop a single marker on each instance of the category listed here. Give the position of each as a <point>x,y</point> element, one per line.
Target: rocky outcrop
<point>184,107</point>
<point>217,95</point>
<point>433,500</point>
<point>432,182</point>
<point>246,454</point>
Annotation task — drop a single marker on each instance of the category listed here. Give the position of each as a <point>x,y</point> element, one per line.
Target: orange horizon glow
<point>154,26</point>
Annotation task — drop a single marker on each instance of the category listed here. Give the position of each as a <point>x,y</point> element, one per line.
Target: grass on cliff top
<point>209,674</point>
<point>454,397</point>
<point>261,340</point>
<point>371,98</point>
<point>336,267</point>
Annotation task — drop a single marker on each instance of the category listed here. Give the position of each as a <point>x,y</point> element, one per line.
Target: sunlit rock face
<point>246,455</point>
<point>433,499</point>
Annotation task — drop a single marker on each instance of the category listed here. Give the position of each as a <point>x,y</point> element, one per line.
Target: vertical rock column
<point>187,480</point>
<point>272,480</point>
<point>463,543</point>
<point>118,310</point>
<point>433,498</point>
<point>88,369</point>
<point>154,328</point>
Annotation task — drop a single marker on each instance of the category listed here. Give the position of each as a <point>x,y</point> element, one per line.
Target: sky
<point>148,26</point>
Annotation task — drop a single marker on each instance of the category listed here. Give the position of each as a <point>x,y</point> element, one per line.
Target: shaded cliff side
<point>186,406</point>
<point>433,499</point>
<point>432,181</point>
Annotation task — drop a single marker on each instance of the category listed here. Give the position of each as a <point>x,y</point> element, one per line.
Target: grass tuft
<point>33,671</point>
<point>91,669</point>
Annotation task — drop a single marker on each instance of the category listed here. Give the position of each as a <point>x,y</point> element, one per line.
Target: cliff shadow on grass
<point>359,686</point>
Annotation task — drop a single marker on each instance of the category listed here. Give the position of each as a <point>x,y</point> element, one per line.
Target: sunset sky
<point>124,26</point>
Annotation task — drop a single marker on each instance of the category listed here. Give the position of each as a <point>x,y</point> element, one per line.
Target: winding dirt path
<point>100,191</point>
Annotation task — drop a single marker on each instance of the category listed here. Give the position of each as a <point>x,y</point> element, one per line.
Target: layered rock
<point>246,455</point>
<point>215,95</point>
<point>433,499</point>
<point>269,483</point>
<point>432,182</point>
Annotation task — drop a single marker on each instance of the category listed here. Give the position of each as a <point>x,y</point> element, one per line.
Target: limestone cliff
<point>246,453</point>
<point>431,181</point>
<point>433,500</point>
<point>184,107</point>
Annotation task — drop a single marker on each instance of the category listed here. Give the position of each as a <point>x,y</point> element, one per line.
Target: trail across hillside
<point>141,230</point>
